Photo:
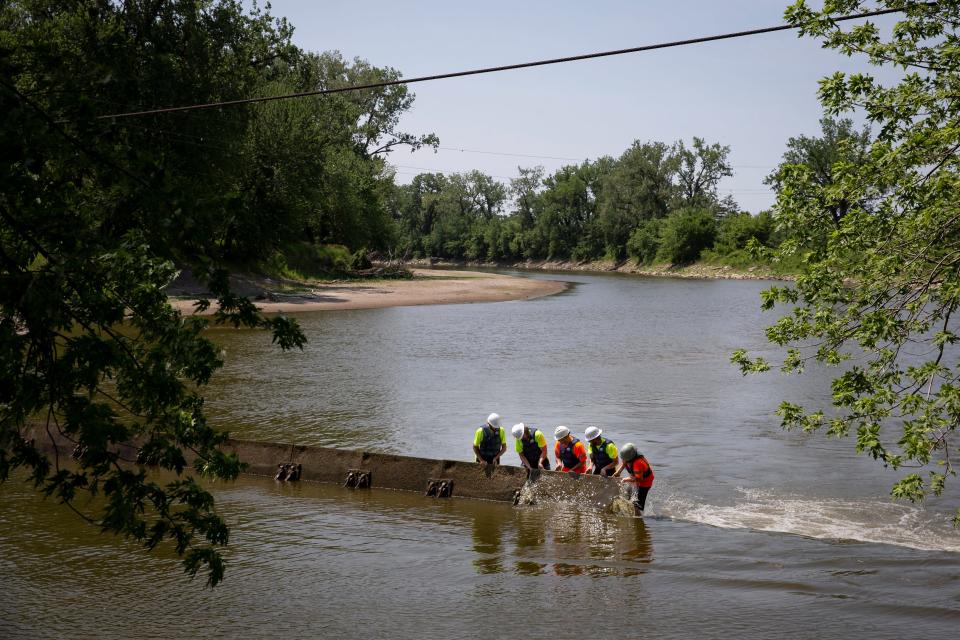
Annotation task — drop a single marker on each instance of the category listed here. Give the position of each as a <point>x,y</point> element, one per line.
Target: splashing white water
<point>864,520</point>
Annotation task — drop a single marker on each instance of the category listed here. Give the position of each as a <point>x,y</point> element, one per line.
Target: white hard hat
<point>561,432</point>
<point>591,433</point>
<point>518,430</point>
<point>493,420</point>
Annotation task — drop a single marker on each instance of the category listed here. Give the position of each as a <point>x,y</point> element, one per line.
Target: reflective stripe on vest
<point>491,443</point>
<point>599,456</point>
<point>568,457</point>
<point>531,450</point>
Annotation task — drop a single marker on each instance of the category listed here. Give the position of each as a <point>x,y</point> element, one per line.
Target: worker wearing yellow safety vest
<point>490,441</point>
<point>531,446</point>
<point>602,452</point>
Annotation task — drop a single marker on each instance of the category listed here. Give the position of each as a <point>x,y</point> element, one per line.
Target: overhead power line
<point>474,72</point>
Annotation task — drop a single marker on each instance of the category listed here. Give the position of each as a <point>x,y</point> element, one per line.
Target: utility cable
<point>474,72</point>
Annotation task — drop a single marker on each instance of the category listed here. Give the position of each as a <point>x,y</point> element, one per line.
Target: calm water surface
<point>752,532</point>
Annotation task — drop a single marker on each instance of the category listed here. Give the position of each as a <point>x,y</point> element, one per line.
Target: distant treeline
<point>656,202</point>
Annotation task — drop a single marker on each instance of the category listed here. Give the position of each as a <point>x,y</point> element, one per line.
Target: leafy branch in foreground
<point>91,353</point>
<point>880,245</point>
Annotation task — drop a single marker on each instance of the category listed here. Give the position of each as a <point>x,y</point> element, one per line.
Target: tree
<point>685,234</point>
<point>877,299</point>
<point>453,216</point>
<point>524,191</point>
<point>639,187</point>
<point>314,169</point>
<point>568,208</point>
<point>735,232</point>
<point>90,220</point>
<point>415,210</point>
<point>840,142</point>
<point>374,114</point>
<point>700,170</point>
<point>644,242</point>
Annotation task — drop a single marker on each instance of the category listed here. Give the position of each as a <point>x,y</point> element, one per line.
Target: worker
<point>570,453</point>
<point>640,475</point>
<point>602,452</point>
<point>490,441</point>
<point>531,446</point>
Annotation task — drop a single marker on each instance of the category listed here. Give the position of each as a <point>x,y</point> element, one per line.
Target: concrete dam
<point>370,470</point>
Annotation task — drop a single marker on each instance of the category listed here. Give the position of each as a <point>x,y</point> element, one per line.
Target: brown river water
<point>751,532</point>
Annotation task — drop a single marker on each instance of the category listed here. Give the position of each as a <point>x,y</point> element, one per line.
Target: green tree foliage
<point>879,295</point>
<point>644,242</point>
<point>700,170</point>
<point>566,225</point>
<point>314,169</point>
<point>355,132</point>
<point>81,58</point>
<point>685,234</point>
<point>736,232</point>
<point>451,216</point>
<point>525,190</point>
<point>414,208</point>
<point>249,179</point>
<point>839,142</point>
<point>95,212</point>
<point>579,212</point>
<point>641,186</point>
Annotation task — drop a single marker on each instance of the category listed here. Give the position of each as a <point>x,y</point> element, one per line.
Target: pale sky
<point>750,93</point>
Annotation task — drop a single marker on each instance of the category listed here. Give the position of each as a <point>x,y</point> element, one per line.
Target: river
<point>750,532</point>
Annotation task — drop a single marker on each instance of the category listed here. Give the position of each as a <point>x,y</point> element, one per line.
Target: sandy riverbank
<point>697,270</point>
<point>427,287</point>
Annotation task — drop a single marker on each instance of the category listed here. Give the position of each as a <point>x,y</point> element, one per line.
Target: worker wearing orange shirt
<point>639,475</point>
<point>570,453</point>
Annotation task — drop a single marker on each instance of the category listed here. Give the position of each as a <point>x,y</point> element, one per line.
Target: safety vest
<point>641,471</point>
<point>599,456</point>
<point>491,443</point>
<point>531,450</point>
<point>567,456</point>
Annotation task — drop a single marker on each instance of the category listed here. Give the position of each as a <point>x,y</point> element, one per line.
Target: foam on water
<point>579,496</point>
<point>863,520</point>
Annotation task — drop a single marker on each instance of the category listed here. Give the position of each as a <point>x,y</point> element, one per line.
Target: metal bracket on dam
<point>365,469</point>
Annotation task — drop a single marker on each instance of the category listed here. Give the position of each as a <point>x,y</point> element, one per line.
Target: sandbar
<point>427,287</point>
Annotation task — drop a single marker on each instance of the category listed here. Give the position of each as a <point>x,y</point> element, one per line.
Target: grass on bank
<point>742,260</point>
